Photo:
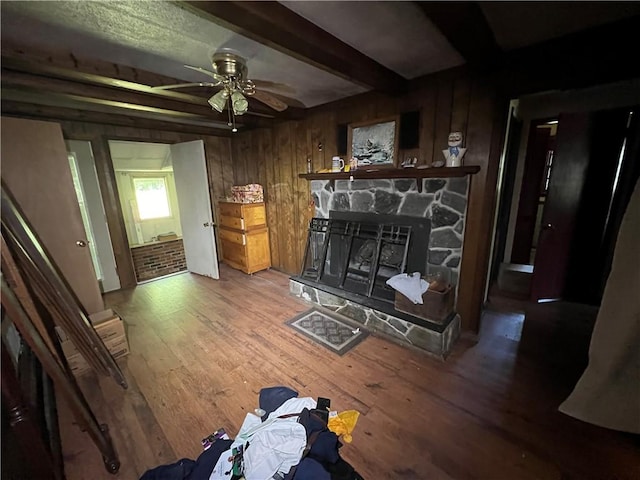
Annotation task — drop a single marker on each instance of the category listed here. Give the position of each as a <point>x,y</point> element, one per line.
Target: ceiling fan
<point>230,74</point>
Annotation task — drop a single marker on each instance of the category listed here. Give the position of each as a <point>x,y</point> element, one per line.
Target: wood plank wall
<point>448,102</point>
<point>275,156</point>
<point>219,169</point>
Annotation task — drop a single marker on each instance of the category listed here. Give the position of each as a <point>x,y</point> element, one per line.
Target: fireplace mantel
<point>385,173</point>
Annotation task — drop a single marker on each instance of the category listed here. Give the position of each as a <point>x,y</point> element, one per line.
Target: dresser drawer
<point>230,209</point>
<point>234,253</point>
<point>255,216</point>
<point>233,236</point>
<point>232,222</point>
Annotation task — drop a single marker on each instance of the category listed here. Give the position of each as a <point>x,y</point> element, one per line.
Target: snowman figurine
<point>455,152</point>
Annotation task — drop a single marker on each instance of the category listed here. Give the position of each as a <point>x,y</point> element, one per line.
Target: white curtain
<point>608,393</point>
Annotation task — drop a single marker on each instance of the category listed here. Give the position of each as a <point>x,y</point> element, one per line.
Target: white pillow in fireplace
<point>411,286</point>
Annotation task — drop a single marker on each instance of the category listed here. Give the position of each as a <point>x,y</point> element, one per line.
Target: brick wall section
<point>158,259</point>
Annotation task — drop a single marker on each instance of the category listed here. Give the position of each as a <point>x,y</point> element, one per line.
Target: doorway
<point>167,216</point>
<point>563,230</point>
<point>147,192</point>
<point>526,165</point>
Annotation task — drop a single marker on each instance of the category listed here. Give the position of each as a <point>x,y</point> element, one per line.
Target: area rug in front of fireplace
<point>327,330</point>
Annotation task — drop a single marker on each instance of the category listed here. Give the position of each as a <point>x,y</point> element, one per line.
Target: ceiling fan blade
<point>292,102</point>
<point>278,87</point>
<point>185,85</point>
<point>270,100</point>
<point>206,72</point>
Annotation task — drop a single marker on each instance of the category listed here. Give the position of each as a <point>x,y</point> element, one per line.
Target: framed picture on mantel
<point>374,143</point>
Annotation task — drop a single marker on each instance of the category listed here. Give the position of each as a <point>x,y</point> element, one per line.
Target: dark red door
<point>537,148</point>
<point>568,176</point>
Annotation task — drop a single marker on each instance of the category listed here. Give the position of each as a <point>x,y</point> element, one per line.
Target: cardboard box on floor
<point>109,327</point>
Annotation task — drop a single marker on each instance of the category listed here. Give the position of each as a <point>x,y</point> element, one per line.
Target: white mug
<point>337,164</point>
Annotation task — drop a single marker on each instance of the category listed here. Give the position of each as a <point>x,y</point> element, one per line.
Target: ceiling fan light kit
<point>219,100</point>
<point>239,103</point>
<point>230,72</point>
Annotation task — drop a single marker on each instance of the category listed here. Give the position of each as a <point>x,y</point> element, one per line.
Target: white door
<point>98,228</point>
<point>192,187</point>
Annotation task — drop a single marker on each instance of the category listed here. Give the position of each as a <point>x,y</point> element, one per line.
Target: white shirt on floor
<point>275,445</point>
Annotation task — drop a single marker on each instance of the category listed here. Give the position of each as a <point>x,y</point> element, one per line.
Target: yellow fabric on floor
<point>344,423</point>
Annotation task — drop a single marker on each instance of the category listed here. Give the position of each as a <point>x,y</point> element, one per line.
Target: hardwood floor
<point>201,350</point>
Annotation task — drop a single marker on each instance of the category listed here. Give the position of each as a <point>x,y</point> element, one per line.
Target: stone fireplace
<point>377,228</point>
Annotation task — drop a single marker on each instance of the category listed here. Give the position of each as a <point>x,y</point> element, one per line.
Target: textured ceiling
<point>397,35</point>
<point>159,37</point>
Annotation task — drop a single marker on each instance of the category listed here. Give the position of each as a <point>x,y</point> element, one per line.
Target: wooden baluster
<point>64,382</point>
<point>22,422</point>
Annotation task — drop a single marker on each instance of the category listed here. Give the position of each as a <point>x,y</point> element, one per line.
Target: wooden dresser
<point>244,236</point>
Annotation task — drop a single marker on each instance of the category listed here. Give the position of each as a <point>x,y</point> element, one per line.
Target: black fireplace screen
<point>356,256</point>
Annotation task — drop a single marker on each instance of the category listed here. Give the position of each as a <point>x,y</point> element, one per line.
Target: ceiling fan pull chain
<point>232,119</point>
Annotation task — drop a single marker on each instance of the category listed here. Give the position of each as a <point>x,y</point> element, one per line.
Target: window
<point>152,197</point>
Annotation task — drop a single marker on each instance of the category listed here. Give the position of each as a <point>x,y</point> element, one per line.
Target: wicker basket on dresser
<point>244,236</point>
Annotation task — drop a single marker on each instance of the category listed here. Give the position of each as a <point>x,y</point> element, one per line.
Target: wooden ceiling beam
<point>275,26</point>
<point>467,30</point>
<point>12,78</point>
<point>45,112</point>
<point>66,100</point>
<point>105,74</point>
<point>95,72</point>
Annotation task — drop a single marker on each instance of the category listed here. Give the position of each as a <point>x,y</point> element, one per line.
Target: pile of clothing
<point>290,441</point>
